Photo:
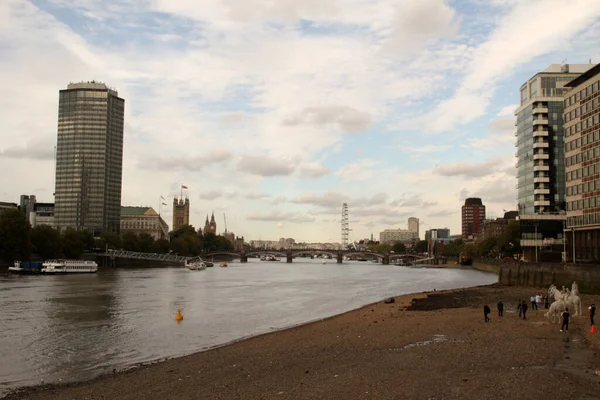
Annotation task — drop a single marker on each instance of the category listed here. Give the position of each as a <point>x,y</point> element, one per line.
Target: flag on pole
<point>162,197</point>
<point>164,204</point>
<point>183,187</point>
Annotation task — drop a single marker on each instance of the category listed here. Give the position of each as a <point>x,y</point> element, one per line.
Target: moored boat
<point>69,266</point>
<point>26,268</point>
<point>195,265</point>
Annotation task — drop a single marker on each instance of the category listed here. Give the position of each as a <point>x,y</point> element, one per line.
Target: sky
<point>275,113</point>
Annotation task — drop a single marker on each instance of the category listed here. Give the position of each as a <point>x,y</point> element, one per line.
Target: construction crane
<point>225,220</point>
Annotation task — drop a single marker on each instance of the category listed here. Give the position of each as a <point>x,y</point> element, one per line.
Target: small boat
<point>195,265</point>
<point>223,264</point>
<point>26,268</point>
<point>209,264</point>
<point>69,266</point>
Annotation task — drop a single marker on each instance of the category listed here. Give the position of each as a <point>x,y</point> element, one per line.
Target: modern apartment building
<point>89,158</point>
<point>181,212</point>
<point>582,151</point>
<point>540,139</point>
<point>473,214</point>
<point>390,236</point>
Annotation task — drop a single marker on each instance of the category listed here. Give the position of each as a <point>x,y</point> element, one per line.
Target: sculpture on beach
<point>563,299</point>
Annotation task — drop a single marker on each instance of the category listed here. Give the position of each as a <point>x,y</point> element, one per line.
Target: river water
<point>75,327</point>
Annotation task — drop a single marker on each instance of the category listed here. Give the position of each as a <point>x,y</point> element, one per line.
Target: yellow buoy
<point>178,317</point>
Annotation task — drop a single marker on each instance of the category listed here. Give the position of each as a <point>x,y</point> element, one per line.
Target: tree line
<point>20,241</point>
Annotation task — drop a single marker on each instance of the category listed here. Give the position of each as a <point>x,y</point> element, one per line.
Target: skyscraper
<point>541,161</point>
<point>473,214</point>
<point>582,145</point>
<point>413,225</point>
<point>181,212</point>
<point>89,158</point>
<point>540,139</point>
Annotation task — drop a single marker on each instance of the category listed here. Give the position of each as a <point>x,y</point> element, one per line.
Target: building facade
<point>143,220</point>
<point>413,225</point>
<point>582,159</point>
<point>181,212</point>
<point>390,236</point>
<point>89,158</point>
<point>27,204</point>
<point>540,139</point>
<point>7,206</point>
<point>473,214</point>
<point>439,233</point>
<point>42,214</point>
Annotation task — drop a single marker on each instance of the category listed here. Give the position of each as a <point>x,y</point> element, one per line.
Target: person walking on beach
<point>546,305</point>
<point>520,308</point>
<point>486,311</point>
<point>524,309</point>
<point>592,313</point>
<point>500,308</point>
<point>565,320</point>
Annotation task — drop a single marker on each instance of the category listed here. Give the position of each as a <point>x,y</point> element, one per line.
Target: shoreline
<point>19,391</point>
<point>356,352</point>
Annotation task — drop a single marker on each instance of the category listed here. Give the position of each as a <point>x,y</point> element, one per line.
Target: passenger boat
<point>26,268</point>
<point>224,265</point>
<point>69,267</point>
<point>195,265</point>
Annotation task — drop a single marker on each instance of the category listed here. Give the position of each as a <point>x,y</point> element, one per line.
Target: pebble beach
<point>432,345</point>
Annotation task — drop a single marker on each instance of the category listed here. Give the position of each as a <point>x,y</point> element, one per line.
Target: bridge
<point>289,255</point>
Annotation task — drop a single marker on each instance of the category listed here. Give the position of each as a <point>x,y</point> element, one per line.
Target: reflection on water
<point>76,326</point>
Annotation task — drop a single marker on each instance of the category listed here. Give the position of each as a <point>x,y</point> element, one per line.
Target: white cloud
<point>280,216</point>
<point>346,118</point>
<point>357,171</point>
<point>264,165</point>
<point>313,171</point>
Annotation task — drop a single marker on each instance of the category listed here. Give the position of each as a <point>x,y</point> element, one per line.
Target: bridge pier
<point>289,257</point>
<point>386,260</point>
<point>340,257</point>
<point>243,258</point>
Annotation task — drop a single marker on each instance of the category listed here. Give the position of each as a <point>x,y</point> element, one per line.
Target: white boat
<point>195,265</point>
<point>69,267</point>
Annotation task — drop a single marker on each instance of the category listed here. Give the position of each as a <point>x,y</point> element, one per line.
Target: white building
<point>390,236</point>
<point>413,225</point>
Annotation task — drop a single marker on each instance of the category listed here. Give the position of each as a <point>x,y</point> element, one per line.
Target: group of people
<point>522,308</point>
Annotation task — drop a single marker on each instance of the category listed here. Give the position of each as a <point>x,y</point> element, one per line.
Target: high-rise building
<point>89,158</point>
<point>413,225</point>
<point>181,212</point>
<point>540,139</point>
<point>582,146</point>
<point>541,161</point>
<point>473,214</point>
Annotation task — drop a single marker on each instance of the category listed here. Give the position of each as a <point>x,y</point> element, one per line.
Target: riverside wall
<point>587,276</point>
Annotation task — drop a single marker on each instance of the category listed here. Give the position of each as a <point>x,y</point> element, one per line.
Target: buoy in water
<point>178,316</point>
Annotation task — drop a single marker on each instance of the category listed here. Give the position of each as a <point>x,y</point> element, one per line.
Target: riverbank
<point>433,345</point>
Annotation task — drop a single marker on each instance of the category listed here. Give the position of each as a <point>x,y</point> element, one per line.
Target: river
<point>75,327</point>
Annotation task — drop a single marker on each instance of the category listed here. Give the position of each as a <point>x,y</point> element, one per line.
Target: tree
<point>14,235</point>
<point>185,229</point>
<point>146,242</point>
<point>46,241</point>
<point>87,239</point>
<point>130,241</point>
<point>161,246</point>
<point>510,241</point>
<point>454,248</point>
<point>421,246</point>
<point>399,248</point>
<point>72,245</point>
<point>110,240</point>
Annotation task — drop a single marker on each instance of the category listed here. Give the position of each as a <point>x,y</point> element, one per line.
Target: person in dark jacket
<point>524,308</point>
<point>592,313</point>
<point>565,320</point>
<point>500,308</point>
<point>520,308</point>
<point>486,311</point>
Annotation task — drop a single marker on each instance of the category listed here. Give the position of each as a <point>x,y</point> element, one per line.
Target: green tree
<point>421,246</point>
<point>487,247</point>
<point>72,245</point>
<point>454,248</point>
<point>14,235</point>
<point>46,241</point>
<point>510,241</point>
<point>399,248</point>
<point>185,229</point>
<point>161,246</point>
<point>130,241</point>
<point>110,240</point>
<point>146,242</point>
<point>87,239</point>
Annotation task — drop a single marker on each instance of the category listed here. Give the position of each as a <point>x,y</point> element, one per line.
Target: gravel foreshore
<point>423,346</point>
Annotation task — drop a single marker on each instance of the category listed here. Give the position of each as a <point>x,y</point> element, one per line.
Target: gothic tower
<point>181,212</point>
<point>206,226</point>
<point>213,224</point>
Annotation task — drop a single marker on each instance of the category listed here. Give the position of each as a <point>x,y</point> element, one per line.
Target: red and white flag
<point>183,187</point>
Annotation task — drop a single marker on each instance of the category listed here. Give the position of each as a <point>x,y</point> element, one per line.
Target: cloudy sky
<point>277,112</point>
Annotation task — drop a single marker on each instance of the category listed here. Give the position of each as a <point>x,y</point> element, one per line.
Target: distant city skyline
<point>276,116</point>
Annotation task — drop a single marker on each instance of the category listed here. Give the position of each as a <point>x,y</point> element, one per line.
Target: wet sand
<point>424,346</point>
